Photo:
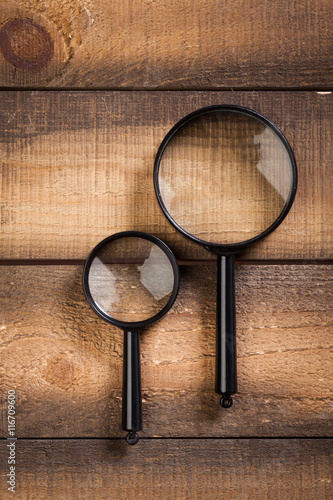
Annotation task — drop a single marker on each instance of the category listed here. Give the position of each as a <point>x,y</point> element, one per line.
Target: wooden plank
<point>169,469</point>
<point>221,44</point>
<point>77,166</point>
<point>65,362</point>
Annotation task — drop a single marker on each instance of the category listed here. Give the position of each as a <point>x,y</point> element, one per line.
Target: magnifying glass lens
<point>225,177</point>
<point>131,279</point>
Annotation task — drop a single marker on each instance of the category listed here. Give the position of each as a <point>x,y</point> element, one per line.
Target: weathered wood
<point>66,363</point>
<point>169,469</point>
<point>77,166</point>
<point>205,44</point>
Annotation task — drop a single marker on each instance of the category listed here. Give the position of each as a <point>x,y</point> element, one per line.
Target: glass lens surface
<point>131,279</point>
<point>225,177</point>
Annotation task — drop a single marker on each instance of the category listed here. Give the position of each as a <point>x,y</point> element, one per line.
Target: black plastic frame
<point>124,325</point>
<point>230,248</point>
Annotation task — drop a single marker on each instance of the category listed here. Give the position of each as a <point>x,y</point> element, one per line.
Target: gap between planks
<point>306,88</point>
<point>189,262</point>
<point>168,438</point>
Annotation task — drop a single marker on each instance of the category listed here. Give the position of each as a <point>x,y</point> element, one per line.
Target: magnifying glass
<point>131,280</point>
<point>225,177</point>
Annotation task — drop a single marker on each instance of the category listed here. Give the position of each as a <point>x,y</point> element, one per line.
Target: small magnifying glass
<point>131,280</point>
<point>225,177</point>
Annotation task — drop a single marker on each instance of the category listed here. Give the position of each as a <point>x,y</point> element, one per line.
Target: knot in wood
<point>26,44</point>
<point>60,372</point>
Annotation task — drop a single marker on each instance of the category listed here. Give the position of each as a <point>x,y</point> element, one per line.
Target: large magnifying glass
<point>131,280</point>
<point>225,177</point>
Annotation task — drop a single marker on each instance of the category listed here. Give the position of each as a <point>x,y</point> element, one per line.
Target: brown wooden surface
<point>66,363</point>
<point>77,167</point>
<point>284,469</point>
<point>203,44</point>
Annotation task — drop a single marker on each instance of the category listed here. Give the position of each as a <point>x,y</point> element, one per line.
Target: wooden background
<point>89,88</point>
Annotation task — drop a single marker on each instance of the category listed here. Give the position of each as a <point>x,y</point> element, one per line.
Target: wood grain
<point>220,44</point>
<point>77,167</point>
<point>285,469</point>
<point>66,363</point>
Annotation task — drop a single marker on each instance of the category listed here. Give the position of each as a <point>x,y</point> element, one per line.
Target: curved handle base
<point>132,438</point>
<point>226,401</point>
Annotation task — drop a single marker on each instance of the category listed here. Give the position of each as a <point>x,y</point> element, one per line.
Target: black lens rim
<point>226,248</point>
<point>138,325</point>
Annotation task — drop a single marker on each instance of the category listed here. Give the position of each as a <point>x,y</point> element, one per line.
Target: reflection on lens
<point>225,177</point>
<point>131,279</point>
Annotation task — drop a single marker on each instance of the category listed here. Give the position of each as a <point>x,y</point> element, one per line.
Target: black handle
<point>226,373</point>
<point>132,405</point>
